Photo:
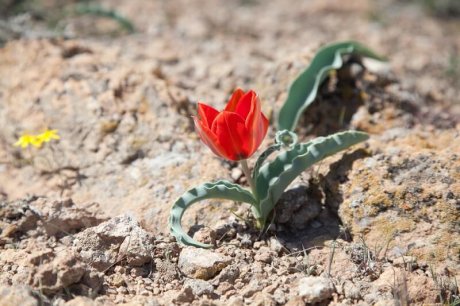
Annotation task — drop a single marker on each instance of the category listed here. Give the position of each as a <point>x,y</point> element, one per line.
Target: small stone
<point>315,289</point>
<point>259,244</point>
<point>264,255</point>
<point>225,230</point>
<point>245,239</point>
<point>253,287</point>
<point>229,274</point>
<point>199,287</point>
<point>224,287</point>
<point>118,280</point>
<point>275,245</point>
<point>201,263</point>
<point>185,296</point>
<point>205,235</point>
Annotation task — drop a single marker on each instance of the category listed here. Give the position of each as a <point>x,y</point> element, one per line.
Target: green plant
<point>236,132</point>
<point>304,89</point>
<point>270,179</point>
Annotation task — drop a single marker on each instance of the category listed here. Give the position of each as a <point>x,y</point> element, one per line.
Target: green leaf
<point>275,177</point>
<point>96,10</point>
<point>304,89</point>
<point>262,157</point>
<point>283,138</point>
<point>217,190</point>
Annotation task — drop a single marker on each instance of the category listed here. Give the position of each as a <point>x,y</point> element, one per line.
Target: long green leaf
<point>262,157</point>
<point>100,11</point>
<point>304,89</point>
<point>276,176</point>
<point>218,190</point>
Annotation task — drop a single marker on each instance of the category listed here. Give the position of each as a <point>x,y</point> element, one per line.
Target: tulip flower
<point>236,132</point>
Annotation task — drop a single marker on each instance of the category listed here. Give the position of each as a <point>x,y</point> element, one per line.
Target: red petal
<point>236,96</point>
<point>208,138</point>
<point>261,133</point>
<point>232,135</point>
<point>256,123</point>
<point>246,104</point>
<point>207,114</point>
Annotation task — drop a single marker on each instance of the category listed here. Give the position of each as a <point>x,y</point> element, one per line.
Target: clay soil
<point>83,220</point>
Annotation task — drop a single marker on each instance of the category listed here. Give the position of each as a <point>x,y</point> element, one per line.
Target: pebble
<point>199,287</point>
<point>118,280</point>
<point>201,263</point>
<point>275,245</point>
<point>315,289</point>
<point>264,255</point>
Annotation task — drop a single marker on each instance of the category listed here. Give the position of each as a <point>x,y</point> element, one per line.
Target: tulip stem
<point>247,173</point>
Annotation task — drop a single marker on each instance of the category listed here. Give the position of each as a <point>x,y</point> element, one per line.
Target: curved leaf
<point>283,138</point>
<point>304,89</point>
<point>219,190</point>
<point>97,10</point>
<point>276,176</point>
<point>262,157</point>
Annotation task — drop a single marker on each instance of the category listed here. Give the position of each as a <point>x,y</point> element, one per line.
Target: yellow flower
<point>26,139</point>
<point>48,135</point>
<point>36,140</point>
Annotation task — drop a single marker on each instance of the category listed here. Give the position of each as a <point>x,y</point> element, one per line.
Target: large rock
<point>200,263</point>
<point>407,193</point>
<point>63,270</point>
<point>58,218</point>
<point>63,217</point>
<point>120,238</point>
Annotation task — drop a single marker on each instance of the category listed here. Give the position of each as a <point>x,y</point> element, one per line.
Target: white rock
<point>199,287</point>
<point>201,263</point>
<point>315,289</point>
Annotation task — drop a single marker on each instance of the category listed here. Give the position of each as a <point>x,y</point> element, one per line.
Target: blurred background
<point>418,34</point>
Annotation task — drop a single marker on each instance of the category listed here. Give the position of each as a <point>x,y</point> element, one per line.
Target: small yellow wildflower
<point>36,140</point>
<point>48,135</point>
<point>26,139</point>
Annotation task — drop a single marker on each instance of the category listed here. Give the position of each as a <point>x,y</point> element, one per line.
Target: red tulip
<point>237,131</point>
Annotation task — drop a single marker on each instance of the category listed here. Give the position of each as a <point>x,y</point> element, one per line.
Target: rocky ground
<point>84,221</point>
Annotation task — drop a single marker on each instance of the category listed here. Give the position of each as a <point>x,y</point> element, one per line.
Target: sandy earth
<point>84,221</point>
